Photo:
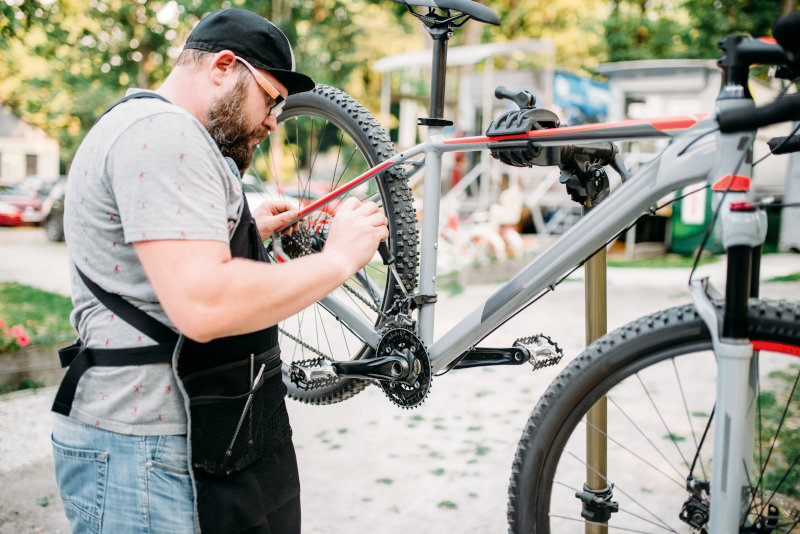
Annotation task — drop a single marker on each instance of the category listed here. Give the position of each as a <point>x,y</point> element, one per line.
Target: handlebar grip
<point>783,145</point>
<point>786,31</point>
<point>786,108</point>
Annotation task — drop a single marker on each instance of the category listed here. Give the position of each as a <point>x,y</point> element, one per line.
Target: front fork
<point>743,232</point>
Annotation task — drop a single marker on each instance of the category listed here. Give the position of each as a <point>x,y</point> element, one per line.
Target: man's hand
<point>355,233</point>
<point>271,215</point>
<point>208,295</point>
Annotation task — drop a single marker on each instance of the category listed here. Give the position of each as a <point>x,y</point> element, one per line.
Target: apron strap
<point>79,361</point>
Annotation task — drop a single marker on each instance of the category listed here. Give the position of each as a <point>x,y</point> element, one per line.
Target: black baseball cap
<point>253,38</point>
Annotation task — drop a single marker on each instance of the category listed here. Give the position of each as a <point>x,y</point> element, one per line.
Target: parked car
<point>53,211</point>
<point>19,207</point>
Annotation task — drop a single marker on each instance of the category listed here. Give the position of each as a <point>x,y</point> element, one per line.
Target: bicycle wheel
<point>325,139</point>
<point>658,376</point>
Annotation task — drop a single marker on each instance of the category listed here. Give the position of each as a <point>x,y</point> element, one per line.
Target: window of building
<point>31,164</point>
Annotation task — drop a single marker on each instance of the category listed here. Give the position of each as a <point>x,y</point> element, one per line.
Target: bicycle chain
<point>531,344</point>
<point>363,299</point>
<point>311,362</point>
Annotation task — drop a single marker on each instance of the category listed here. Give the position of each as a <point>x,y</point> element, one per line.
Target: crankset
<point>401,367</point>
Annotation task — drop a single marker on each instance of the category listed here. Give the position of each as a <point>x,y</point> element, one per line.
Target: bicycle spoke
<point>609,526</point>
<point>778,431</point>
<point>645,436</point>
<point>334,179</point>
<point>314,155</point>
<point>632,453</point>
<point>575,490</point>
<point>689,420</point>
<point>661,417</point>
<point>626,494</point>
<point>783,479</point>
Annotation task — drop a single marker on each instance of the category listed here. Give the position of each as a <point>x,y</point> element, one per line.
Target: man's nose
<point>270,122</point>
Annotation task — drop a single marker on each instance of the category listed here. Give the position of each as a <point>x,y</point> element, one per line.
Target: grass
<point>43,315</point>
<point>28,383</point>
<point>664,261</point>
<point>794,277</point>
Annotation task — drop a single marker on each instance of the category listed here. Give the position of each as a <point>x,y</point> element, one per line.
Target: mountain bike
<point>378,326</point>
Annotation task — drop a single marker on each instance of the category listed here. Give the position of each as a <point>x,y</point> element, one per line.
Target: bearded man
<point>171,417</point>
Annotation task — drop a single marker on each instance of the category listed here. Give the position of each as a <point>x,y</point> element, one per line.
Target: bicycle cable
<point>552,287</point>
<point>779,145</point>
<point>717,211</point>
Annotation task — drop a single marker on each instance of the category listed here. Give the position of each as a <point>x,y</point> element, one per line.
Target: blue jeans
<point>114,483</point>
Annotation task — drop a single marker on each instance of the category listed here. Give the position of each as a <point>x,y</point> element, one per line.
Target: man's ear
<point>222,65</point>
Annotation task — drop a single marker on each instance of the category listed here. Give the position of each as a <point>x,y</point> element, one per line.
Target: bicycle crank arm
<point>481,357</point>
<point>539,350</point>
<point>383,368</point>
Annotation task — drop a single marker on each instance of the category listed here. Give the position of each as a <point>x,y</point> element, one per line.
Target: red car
<point>18,207</point>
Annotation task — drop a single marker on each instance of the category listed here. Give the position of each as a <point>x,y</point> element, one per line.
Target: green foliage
<point>778,404</point>
<point>639,30</point>
<point>712,20</point>
<point>663,29</point>
<point>15,18</point>
<point>44,315</point>
<point>63,62</point>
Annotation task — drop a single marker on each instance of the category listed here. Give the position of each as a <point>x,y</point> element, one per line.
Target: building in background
<point>25,150</point>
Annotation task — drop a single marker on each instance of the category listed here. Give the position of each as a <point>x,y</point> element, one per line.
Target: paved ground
<point>367,466</point>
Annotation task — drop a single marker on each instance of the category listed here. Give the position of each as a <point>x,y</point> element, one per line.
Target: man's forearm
<point>213,295</point>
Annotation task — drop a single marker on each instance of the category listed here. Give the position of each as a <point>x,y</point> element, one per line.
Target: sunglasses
<point>276,101</point>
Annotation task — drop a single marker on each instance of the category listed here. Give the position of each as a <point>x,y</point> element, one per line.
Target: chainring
<point>402,393</point>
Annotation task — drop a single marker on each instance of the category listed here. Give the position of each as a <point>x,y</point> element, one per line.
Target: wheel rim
<point>656,420</point>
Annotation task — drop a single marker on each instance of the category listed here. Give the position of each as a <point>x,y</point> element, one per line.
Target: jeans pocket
<point>81,477</point>
<point>171,455</point>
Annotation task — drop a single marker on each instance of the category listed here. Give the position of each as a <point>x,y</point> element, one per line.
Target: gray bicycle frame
<point>699,153</point>
<point>691,157</point>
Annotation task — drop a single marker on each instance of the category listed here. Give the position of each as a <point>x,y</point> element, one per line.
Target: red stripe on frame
<point>665,123</point>
<point>776,347</point>
<point>342,189</point>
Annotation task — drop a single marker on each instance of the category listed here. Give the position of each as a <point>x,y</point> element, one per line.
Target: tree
<point>714,19</point>
<point>62,64</point>
<point>660,29</point>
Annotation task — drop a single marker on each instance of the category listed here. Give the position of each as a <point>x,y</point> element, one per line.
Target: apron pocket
<point>237,413</point>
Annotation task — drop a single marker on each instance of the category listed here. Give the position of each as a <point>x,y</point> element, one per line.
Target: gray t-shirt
<point>146,171</point>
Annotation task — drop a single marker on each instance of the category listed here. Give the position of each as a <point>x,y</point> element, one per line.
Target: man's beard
<point>228,125</point>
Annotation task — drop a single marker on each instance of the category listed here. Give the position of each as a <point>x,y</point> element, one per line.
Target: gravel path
<point>367,466</point>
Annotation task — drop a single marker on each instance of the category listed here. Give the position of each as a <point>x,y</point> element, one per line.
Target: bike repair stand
<point>596,491</point>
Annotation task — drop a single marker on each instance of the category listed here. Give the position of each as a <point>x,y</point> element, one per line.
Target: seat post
<point>441,35</point>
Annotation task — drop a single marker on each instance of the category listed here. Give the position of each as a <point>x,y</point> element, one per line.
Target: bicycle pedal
<point>542,350</point>
<point>313,374</point>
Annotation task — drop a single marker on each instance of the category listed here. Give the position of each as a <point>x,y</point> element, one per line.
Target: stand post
<point>596,325</point>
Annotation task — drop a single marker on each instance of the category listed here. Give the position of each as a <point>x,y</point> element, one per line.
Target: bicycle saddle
<point>475,10</point>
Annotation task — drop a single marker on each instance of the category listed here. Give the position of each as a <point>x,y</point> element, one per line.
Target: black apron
<point>243,462</point>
